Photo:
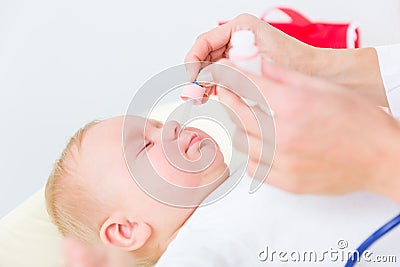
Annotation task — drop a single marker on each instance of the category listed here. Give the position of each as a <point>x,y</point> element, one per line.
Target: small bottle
<point>244,52</point>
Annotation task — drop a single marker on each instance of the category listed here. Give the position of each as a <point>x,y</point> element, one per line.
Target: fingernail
<point>192,69</point>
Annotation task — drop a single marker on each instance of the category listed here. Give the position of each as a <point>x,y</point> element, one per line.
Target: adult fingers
<point>278,88</point>
<point>258,149</point>
<point>270,174</point>
<point>259,170</point>
<point>212,45</point>
<point>251,119</point>
<point>262,90</point>
<point>213,40</point>
<point>82,255</point>
<point>287,76</point>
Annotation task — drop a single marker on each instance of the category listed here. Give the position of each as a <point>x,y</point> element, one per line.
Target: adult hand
<point>78,253</point>
<point>278,46</point>
<point>356,69</point>
<point>328,139</point>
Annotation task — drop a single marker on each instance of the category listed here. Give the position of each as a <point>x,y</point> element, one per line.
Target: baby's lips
<point>193,92</point>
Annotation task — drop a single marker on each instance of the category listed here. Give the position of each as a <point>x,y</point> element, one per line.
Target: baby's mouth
<point>193,140</point>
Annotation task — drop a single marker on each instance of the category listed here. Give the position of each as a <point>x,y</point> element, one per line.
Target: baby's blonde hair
<point>69,203</point>
<point>75,210</point>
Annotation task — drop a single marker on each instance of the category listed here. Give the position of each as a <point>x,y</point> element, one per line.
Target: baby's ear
<point>125,234</point>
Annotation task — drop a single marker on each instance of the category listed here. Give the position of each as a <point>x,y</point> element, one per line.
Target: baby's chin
<point>209,166</point>
<point>209,146</point>
<point>211,178</point>
<point>217,171</point>
<point>217,176</point>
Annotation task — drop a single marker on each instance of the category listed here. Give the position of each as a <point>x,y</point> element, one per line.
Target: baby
<point>91,195</point>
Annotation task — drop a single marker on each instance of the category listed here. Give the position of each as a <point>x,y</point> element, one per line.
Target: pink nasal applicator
<point>199,90</point>
<point>193,92</point>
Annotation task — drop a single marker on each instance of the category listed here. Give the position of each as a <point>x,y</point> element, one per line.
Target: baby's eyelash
<point>147,145</point>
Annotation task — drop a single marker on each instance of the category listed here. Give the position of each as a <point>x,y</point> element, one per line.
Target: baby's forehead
<point>138,120</point>
<point>138,125</point>
<point>117,128</point>
<point>120,123</point>
<point>105,140</point>
<point>101,145</point>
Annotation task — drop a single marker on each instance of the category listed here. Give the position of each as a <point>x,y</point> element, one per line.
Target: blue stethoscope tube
<point>371,239</point>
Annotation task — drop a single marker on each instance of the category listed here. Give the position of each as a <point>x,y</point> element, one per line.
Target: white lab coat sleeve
<point>389,64</point>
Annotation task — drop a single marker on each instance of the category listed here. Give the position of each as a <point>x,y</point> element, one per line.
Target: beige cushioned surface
<point>28,238</point>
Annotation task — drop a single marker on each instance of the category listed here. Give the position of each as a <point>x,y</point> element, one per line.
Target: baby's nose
<point>171,130</point>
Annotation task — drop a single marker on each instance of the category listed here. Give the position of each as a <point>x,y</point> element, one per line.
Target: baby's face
<point>104,159</point>
<point>184,157</point>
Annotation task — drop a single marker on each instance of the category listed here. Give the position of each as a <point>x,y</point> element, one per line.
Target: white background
<point>65,63</point>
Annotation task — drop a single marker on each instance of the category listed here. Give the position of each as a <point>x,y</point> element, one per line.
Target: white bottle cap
<point>243,45</point>
<point>243,38</point>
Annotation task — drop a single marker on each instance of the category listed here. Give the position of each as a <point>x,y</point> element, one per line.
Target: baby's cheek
<point>171,172</point>
<point>164,166</point>
<point>193,154</point>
